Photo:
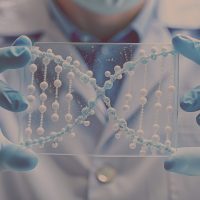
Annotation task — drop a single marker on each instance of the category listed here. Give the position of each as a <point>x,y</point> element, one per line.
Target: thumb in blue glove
<point>14,157</point>
<point>187,46</point>
<point>187,160</point>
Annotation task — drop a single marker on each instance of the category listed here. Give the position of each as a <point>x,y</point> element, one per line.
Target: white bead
<point>117,136</point>
<point>115,127</point>
<point>42,108</point>
<point>107,74</point>
<point>28,131</point>
<point>129,66</point>
<point>68,117</point>
<point>33,68</point>
<point>84,78</point>
<point>143,91</point>
<point>168,143</point>
<point>93,81</point>
<point>158,93</point>
<point>111,112</point>
<point>164,48</point>
<point>54,117</point>
<point>140,132</point>
<point>57,59</point>
<point>57,83</point>
<point>55,105</point>
<point>119,76</point>
<point>164,51</point>
<point>154,49</point>
<point>143,100</point>
<point>49,50</point>
<point>86,123</point>
<point>43,97</point>
<point>46,60</point>
<point>72,134</point>
<point>158,106</point>
<point>69,97</point>
<point>168,129</point>
<point>31,89</point>
<point>53,134</point>
<point>169,108</point>
<point>30,98</point>
<point>40,131</point>
<point>58,69</point>
<point>65,65</point>
<point>126,107</point>
<point>155,138</point>
<point>156,127</point>
<point>54,145</point>
<point>76,63</point>
<point>69,59</point>
<point>117,68</point>
<point>171,88</point>
<point>128,96</point>
<point>44,85</point>
<point>92,112</point>
<point>173,150</point>
<point>142,53</point>
<point>132,145</point>
<point>70,75</point>
<point>89,73</point>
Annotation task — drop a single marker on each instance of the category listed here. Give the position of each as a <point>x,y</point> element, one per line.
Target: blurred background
<point>30,17</point>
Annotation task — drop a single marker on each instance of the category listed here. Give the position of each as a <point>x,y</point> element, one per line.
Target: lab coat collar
<point>142,22</point>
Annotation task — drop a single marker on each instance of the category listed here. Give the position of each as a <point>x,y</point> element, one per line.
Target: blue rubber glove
<point>187,160</point>
<point>13,157</point>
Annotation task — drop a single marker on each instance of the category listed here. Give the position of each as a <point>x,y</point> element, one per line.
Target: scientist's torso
<point>97,178</point>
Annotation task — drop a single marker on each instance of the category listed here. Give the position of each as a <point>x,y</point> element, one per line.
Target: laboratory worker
<point>86,177</point>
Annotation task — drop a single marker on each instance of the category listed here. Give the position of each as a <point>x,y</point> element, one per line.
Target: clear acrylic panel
<point>101,99</point>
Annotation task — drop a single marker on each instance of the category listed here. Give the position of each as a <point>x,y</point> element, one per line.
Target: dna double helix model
<point>71,69</point>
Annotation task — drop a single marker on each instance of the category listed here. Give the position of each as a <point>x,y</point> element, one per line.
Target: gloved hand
<point>13,157</point>
<point>187,160</point>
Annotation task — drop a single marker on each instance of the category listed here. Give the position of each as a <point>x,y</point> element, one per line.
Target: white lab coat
<point>73,177</point>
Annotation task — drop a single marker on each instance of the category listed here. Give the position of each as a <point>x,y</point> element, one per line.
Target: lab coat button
<point>105,174</point>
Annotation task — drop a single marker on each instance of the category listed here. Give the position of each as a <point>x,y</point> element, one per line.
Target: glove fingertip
<point>19,159</point>
<point>186,106</point>
<point>21,56</point>
<point>186,45</point>
<point>177,41</point>
<point>168,165</point>
<point>22,41</point>
<point>198,119</point>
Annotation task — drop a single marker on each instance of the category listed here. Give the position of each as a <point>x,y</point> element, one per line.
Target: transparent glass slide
<point>101,99</point>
